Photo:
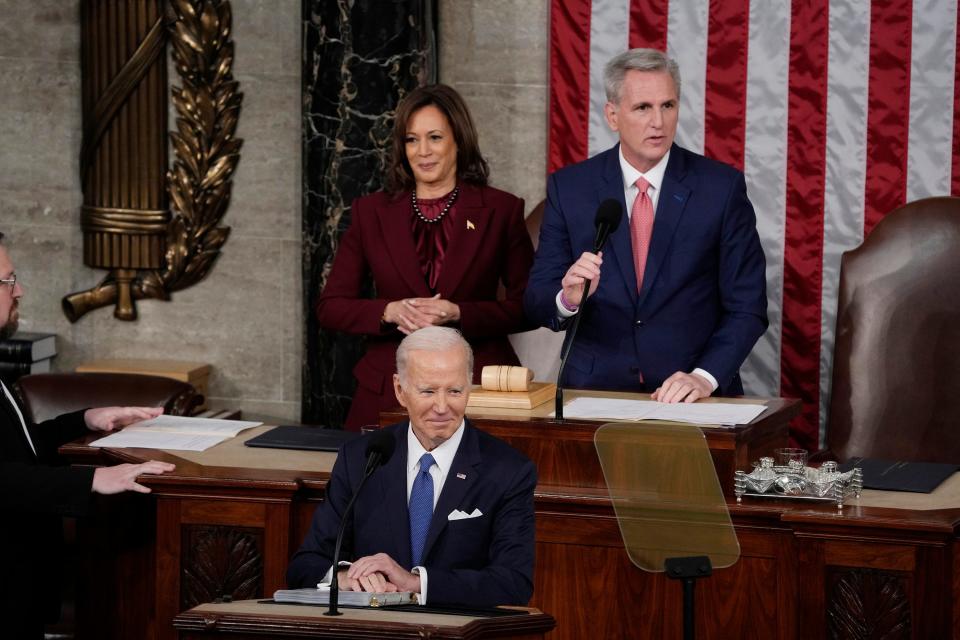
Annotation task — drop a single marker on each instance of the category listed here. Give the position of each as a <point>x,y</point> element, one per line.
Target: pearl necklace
<point>450,200</point>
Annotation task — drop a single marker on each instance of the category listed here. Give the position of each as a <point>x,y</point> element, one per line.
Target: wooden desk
<point>565,456</point>
<point>252,619</point>
<point>228,519</point>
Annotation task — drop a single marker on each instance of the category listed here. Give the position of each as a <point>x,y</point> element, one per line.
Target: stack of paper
<point>175,432</point>
<point>712,413</point>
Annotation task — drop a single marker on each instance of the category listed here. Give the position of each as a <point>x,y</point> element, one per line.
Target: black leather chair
<point>896,372</point>
<point>46,395</point>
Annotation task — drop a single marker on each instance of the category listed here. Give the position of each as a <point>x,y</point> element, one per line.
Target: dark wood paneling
<point>795,556</point>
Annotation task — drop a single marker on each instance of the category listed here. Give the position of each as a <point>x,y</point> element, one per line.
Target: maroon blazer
<point>493,248</point>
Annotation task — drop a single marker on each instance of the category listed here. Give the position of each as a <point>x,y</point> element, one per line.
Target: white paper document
<point>179,433</point>
<point>712,413</point>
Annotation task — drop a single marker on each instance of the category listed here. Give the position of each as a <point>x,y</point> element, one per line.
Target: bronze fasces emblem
<point>156,229</point>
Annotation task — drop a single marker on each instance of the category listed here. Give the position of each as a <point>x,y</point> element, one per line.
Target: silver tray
<point>798,482</point>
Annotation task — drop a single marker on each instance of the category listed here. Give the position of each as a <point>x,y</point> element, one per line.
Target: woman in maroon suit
<point>438,243</point>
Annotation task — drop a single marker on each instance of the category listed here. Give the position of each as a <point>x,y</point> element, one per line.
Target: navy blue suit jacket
<point>483,562</point>
<point>703,302</point>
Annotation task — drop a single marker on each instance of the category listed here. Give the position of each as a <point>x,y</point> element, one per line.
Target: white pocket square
<point>456,514</point>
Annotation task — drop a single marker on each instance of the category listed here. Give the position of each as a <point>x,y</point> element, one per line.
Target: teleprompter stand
<point>669,505</point>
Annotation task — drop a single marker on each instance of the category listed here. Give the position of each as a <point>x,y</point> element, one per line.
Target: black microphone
<point>608,217</point>
<point>379,450</point>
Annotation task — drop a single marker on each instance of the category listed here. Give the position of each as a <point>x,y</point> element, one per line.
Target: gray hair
<point>637,60</point>
<point>432,339</point>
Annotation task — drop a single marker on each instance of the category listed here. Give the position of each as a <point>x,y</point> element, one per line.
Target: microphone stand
<point>372,463</point>
<point>558,400</point>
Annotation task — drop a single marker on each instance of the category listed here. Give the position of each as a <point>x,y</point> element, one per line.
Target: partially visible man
<point>35,492</point>
<point>450,516</point>
<point>682,299</point>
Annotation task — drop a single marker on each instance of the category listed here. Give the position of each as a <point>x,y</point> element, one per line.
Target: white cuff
<point>709,378</point>
<point>562,311</point>
<point>328,576</point>
<point>422,572</point>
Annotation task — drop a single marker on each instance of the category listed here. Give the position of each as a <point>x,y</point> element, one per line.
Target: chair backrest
<point>44,396</point>
<point>896,372</point>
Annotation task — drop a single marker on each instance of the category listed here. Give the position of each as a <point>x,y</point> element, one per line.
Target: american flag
<point>836,111</point>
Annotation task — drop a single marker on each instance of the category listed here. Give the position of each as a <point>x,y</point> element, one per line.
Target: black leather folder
<point>304,438</point>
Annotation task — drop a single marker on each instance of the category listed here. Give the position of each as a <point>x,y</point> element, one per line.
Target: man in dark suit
<point>682,298</point>
<point>450,516</point>
<point>35,493</point>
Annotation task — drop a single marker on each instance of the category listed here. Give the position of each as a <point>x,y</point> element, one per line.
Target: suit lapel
<point>670,206</point>
<point>473,221</point>
<point>393,488</point>
<point>14,421</point>
<point>394,222</point>
<point>619,245</point>
<point>463,474</point>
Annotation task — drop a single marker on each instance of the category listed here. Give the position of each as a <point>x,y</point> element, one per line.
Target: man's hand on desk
<point>110,418</point>
<point>384,567</point>
<point>373,583</point>
<point>683,387</point>
<point>123,477</point>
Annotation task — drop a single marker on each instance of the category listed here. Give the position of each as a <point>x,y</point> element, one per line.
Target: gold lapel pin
<point>470,225</point>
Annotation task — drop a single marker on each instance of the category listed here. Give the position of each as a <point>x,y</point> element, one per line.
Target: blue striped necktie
<point>421,508</point>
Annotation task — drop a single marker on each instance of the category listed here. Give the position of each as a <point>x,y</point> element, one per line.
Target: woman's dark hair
<point>471,167</point>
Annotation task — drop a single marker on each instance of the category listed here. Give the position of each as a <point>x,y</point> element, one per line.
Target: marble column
<point>359,57</point>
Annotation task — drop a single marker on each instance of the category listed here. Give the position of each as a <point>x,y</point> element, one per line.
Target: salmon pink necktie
<point>641,228</point>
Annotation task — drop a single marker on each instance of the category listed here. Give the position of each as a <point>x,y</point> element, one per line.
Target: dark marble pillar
<point>359,58</point>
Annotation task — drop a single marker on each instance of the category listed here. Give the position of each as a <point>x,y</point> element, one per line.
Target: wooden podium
<point>228,520</point>
<point>252,619</point>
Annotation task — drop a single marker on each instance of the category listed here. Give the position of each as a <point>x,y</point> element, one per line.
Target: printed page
<point>187,424</point>
<point>159,440</point>
<point>708,413</point>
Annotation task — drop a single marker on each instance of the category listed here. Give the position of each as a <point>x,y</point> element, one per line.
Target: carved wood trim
<point>220,561</point>
<point>867,604</point>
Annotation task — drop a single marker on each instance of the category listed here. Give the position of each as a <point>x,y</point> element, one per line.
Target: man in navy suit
<point>449,516</point>
<point>682,296</point>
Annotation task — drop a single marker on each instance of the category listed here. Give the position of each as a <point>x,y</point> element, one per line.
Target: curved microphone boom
<point>608,217</point>
<point>379,450</point>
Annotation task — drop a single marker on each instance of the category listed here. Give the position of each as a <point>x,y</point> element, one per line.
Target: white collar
<point>443,455</point>
<point>654,176</point>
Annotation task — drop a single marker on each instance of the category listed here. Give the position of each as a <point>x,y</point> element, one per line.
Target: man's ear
<point>398,390</point>
<point>610,112</point>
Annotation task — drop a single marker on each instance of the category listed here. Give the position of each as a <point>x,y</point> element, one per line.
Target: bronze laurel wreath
<point>207,152</point>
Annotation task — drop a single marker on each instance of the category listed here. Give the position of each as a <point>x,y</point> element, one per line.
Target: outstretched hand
<point>123,477</point>
<point>110,418</point>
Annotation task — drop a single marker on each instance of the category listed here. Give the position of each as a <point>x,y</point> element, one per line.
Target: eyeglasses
<point>12,281</point>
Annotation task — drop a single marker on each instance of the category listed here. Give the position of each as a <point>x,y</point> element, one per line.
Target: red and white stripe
<point>837,112</point>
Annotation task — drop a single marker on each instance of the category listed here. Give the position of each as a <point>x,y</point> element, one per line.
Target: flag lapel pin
<point>462,476</point>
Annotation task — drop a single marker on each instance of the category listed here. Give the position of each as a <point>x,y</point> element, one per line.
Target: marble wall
<point>245,318</point>
<point>359,59</point>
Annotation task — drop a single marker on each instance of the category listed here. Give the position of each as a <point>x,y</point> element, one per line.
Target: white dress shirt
<point>23,423</point>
